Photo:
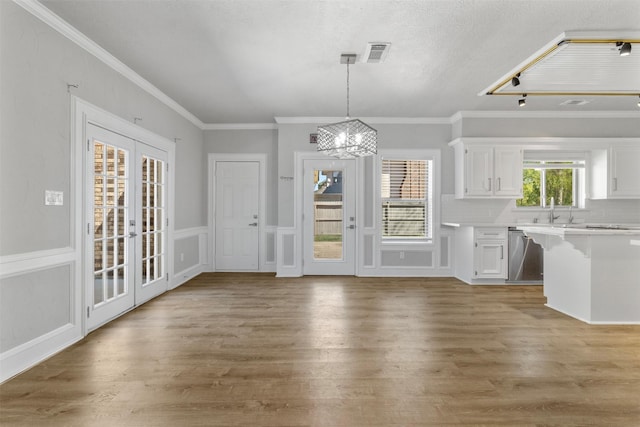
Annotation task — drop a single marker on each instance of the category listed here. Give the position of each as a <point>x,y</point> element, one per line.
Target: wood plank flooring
<point>255,350</point>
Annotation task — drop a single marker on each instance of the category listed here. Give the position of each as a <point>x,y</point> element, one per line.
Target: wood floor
<point>253,350</point>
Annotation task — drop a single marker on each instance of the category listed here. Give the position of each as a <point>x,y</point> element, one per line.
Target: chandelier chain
<point>348,89</point>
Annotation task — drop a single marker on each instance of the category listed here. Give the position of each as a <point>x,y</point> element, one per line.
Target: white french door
<point>329,224</point>
<point>126,227</point>
<point>151,220</point>
<point>237,225</point>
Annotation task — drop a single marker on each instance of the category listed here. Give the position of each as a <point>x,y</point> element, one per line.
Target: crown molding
<point>240,126</point>
<point>38,10</point>
<point>544,115</point>
<point>368,120</point>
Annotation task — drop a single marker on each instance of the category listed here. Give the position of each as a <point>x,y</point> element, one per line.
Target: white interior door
<point>237,226</point>
<point>110,225</point>
<point>329,226</point>
<point>151,219</point>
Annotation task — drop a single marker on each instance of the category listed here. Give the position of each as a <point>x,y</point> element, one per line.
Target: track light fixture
<point>515,81</point>
<point>522,101</point>
<point>624,47</point>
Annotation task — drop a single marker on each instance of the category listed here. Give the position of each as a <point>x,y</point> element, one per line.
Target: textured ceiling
<point>248,61</point>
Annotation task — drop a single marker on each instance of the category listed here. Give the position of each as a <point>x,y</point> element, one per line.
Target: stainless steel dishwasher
<point>525,258</point>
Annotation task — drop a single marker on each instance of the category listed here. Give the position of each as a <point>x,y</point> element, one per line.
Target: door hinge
<point>466,151</point>
<point>87,312</point>
<point>88,147</point>
<point>88,229</point>
<point>476,273</point>
<point>476,244</point>
<point>167,277</point>
<point>167,222</point>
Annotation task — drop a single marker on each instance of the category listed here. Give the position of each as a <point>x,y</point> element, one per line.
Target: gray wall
<point>295,137</point>
<point>263,141</point>
<point>35,152</point>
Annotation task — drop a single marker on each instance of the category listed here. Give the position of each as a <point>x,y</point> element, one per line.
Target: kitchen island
<point>591,273</point>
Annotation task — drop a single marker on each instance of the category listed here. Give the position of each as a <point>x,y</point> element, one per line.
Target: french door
<point>126,224</point>
<point>329,226</point>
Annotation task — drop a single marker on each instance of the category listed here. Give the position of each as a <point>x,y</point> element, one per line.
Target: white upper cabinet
<point>615,173</point>
<point>488,171</point>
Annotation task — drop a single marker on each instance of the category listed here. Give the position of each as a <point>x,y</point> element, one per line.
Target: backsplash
<point>501,211</point>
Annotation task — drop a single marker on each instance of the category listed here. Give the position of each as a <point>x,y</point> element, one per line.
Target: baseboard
<point>186,275</point>
<point>29,354</point>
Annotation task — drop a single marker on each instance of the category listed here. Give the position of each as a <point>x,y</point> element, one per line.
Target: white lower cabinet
<point>490,260</point>
<point>481,254</point>
<point>489,253</point>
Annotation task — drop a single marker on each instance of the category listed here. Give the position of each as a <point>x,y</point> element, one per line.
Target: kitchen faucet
<point>552,217</point>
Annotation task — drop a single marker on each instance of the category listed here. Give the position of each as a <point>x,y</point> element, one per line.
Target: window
<point>406,196</point>
<point>561,179</point>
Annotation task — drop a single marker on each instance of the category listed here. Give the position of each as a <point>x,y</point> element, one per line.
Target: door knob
<point>352,227</point>
<point>253,224</point>
<point>132,234</point>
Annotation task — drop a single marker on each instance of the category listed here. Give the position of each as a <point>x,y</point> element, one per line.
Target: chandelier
<point>350,138</point>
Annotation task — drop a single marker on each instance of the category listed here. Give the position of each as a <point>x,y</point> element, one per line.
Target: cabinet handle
<point>501,252</point>
<point>615,184</point>
<point>489,184</point>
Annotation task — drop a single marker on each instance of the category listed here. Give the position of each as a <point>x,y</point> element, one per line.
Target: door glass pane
<point>327,214</point>
<point>110,284</point>
<point>98,289</point>
<point>120,288</point>
<point>98,222</point>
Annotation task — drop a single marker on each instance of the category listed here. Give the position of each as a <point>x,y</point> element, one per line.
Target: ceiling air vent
<point>376,52</point>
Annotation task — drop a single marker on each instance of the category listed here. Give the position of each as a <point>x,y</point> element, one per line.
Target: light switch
<point>53,198</point>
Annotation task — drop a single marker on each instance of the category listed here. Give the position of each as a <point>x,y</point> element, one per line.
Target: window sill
<point>386,243</point>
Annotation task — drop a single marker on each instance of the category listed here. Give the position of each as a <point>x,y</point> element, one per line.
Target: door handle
<point>253,224</point>
<point>132,234</point>
<point>352,227</point>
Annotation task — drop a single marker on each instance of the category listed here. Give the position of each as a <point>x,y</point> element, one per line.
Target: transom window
<point>564,180</point>
<point>406,196</point>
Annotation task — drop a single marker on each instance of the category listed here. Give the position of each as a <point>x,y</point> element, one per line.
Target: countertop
<point>582,229</point>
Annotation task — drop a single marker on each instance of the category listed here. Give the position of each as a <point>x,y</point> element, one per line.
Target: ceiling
<point>248,61</point>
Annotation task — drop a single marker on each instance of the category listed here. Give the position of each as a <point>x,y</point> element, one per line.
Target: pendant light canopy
<point>350,138</point>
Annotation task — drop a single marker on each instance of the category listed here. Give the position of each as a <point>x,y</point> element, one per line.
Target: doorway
<point>329,220</point>
<point>126,236</point>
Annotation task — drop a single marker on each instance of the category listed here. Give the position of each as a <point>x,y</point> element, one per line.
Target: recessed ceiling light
<point>575,102</point>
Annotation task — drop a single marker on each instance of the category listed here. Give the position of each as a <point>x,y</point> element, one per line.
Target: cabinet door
<point>508,171</point>
<point>625,172</point>
<point>479,171</point>
<point>490,261</point>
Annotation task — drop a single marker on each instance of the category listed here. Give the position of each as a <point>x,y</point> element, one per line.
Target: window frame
<point>432,196</point>
<point>543,162</point>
